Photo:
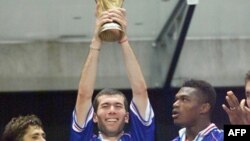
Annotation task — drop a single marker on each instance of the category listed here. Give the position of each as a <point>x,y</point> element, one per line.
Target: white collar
<point>200,135</point>
<point>102,139</point>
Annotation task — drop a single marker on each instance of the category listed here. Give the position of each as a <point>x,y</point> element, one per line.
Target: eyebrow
<point>37,133</point>
<point>116,103</point>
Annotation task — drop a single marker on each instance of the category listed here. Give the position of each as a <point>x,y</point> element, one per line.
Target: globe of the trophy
<point>110,32</point>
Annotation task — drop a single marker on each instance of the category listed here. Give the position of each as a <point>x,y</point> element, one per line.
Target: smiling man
<point>192,110</point>
<point>24,128</point>
<point>109,109</point>
<point>111,113</point>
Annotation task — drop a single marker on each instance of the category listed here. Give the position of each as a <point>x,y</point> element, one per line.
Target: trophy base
<point>111,32</point>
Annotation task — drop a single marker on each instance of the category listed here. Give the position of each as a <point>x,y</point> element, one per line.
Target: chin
<point>176,122</point>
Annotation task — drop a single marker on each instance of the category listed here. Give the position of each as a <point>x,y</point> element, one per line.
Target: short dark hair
<point>205,90</point>
<point>16,128</point>
<point>109,91</point>
<point>247,77</point>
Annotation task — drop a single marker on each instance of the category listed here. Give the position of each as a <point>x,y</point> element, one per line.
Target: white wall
<point>217,50</point>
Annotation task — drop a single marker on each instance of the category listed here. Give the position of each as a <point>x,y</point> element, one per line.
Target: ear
<point>127,117</point>
<point>205,108</point>
<point>95,119</point>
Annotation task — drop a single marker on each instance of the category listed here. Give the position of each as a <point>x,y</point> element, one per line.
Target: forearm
<point>136,79</point>
<point>88,74</point>
<point>87,82</point>
<point>134,72</point>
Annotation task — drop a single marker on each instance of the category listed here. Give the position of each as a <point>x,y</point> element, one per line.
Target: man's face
<point>186,107</point>
<point>111,115</point>
<point>247,91</point>
<point>34,133</point>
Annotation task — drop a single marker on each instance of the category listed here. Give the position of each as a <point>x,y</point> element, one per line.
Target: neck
<point>109,138</point>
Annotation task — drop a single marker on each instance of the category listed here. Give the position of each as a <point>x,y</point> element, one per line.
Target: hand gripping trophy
<point>110,32</point>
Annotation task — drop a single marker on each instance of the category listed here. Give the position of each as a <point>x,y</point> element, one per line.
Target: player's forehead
<point>187,91</point>
<point>34,129</point>
<point>110,99</point>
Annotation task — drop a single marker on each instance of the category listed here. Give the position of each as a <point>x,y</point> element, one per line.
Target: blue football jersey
<point>211,133</point>
<point>139,129</point>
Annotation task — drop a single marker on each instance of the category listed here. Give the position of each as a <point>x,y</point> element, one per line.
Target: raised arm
<point>88,74</point>
<point>135,76</point>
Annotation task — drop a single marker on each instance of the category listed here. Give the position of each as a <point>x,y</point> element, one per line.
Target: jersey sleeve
<point>142,129</point>
<point>82,132</point>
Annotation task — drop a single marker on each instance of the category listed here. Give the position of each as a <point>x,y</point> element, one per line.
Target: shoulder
<point>216,134</point>
<point>218,131</point>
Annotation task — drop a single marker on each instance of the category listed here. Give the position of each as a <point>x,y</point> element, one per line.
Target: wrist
<point>95,48</point>
<point>124,40</point>
<point>95,44</point>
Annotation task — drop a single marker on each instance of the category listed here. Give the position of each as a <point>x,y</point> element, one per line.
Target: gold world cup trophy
<point>112,31</point>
